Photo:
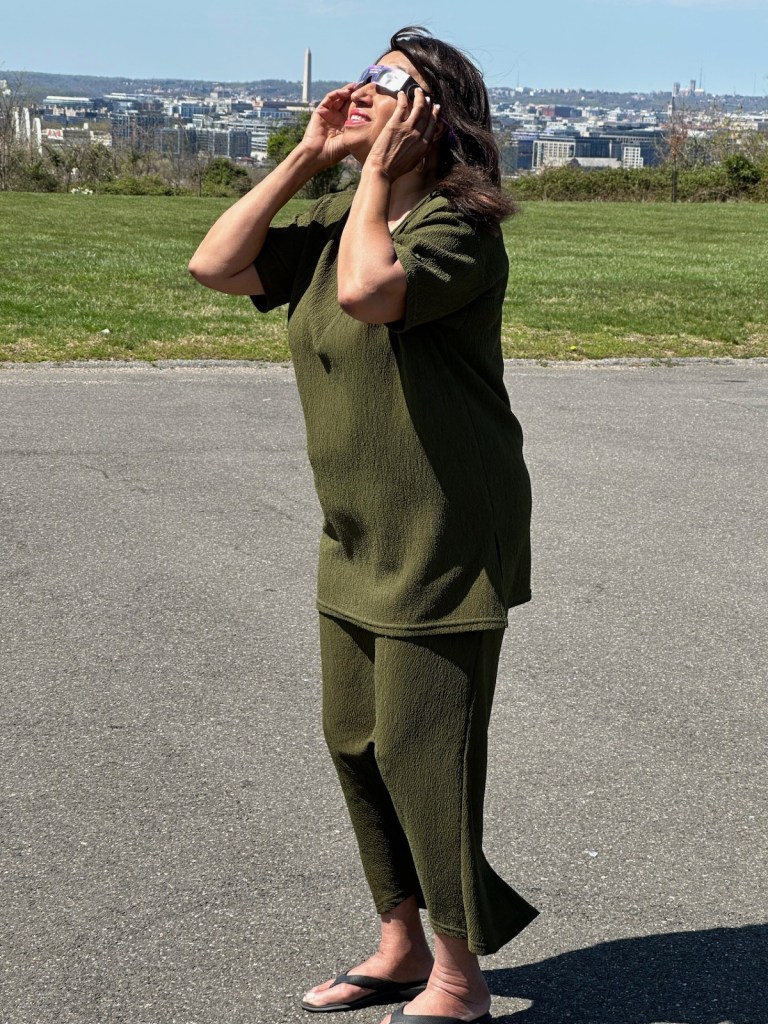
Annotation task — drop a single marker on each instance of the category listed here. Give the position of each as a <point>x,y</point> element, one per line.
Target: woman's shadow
<point>706,977</point>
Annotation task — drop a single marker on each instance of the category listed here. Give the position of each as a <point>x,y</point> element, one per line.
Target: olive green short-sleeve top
<point>416,455</point>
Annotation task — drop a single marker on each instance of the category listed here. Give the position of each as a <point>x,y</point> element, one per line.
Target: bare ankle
<point>457,971</point>
<point>402,934</point>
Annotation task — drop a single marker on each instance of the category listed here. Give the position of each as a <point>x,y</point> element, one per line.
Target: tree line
<point>736,178</point>
<point>138,169</point>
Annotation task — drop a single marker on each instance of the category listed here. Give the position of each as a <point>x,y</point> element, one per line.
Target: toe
<point>312,995</point>
<point>342,993</point>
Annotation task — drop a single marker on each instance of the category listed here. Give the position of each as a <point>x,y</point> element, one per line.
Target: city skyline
<point>610,45</point>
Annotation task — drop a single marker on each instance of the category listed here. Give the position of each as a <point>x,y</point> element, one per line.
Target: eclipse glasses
<point>390,80</point>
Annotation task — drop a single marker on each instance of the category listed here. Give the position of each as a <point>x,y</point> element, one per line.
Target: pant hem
<point>446,929</point>
<point>384,906</point>
<point>480,948</point>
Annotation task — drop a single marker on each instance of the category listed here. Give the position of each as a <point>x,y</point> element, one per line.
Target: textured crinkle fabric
<point>414,781</point>
<point>417,457</point>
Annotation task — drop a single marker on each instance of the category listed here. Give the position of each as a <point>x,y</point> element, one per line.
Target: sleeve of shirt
<point>278,261</point>
<point>448,262</point>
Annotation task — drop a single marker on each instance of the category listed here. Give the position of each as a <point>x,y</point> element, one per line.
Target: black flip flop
<point>398,1017</point>
<point>384,991</point>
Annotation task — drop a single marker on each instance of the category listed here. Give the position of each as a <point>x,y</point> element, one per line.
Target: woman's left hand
<point>407,137</point>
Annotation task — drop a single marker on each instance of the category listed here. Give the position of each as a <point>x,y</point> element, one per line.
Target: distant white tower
<point>306,92</point>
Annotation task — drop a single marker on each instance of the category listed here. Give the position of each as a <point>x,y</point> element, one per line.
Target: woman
<point>395,296</point>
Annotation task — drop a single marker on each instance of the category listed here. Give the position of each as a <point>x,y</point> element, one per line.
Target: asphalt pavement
<point>173,843</point>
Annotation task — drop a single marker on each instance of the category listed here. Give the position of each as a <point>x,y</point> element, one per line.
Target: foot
<point>413,966</point>
<point>443,998</point>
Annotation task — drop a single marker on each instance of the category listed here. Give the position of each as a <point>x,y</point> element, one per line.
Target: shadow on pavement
<point>705,977</point>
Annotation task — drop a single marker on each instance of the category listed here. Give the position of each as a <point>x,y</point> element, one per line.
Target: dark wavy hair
<point>469,167</point>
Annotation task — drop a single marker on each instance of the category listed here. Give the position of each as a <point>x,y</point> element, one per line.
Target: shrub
<point>612,185</point>
<point>144,185</point>
<point>736,178</point>
<point>708,184</point>
<point>33,176</point>
<point>224,179</point>
<point>742,174</point>
<point>285,140</point>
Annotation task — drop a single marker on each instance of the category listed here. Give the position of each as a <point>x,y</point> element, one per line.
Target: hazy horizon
<point>595,45</point>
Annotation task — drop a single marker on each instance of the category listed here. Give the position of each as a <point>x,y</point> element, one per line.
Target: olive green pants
<point>406,722</point>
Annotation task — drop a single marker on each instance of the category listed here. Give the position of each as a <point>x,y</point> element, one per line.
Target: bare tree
<point>675,138</point>
<point>15,148</point>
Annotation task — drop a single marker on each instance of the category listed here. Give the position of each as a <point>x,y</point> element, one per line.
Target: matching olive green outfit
<point>418,466</point>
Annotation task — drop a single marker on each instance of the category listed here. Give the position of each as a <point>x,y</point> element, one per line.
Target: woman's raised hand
<point>324,136</point>
<point>407,137</point>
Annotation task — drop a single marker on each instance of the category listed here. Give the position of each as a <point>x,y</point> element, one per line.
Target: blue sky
<point>604,44</point>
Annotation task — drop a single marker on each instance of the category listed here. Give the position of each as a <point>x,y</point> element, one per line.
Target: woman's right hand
<point>324,137</point>
<point>224,260</point>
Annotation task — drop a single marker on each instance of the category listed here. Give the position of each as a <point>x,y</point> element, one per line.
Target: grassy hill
<point>586,281</point>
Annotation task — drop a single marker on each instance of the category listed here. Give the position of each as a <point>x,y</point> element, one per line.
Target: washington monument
<point>306,92</point>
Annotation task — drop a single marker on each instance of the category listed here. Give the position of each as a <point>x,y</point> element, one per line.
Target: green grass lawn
<point>586,281</point>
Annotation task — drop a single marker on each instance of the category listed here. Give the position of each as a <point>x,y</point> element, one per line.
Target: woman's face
<point>370,107</point>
